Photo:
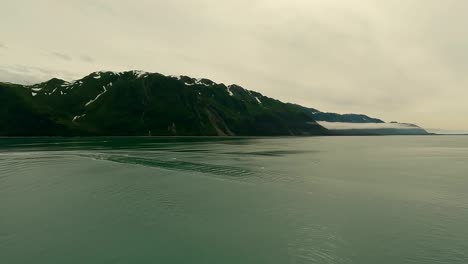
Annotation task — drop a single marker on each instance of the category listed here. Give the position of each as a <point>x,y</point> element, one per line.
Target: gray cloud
<point>86,58</point>
<point>3,46</point>
<point>61,56</point>
<point>23,74</point>
<point>396,60</point>
<point>21,78</point>
<point>346,126</point>
<point>448,132</point>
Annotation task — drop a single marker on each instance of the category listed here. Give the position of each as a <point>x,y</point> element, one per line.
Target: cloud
<point>448,132</point>
<point>23,74</point>
<point>346,126</point>
<point>3,46</point>
<point>86,58</point>
<point>61,56</point>
<point>399,60</point>
<point>20,78</point>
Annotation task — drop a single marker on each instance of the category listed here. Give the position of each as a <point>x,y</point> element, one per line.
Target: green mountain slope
<point>140,103</point>
<point>136,103</point>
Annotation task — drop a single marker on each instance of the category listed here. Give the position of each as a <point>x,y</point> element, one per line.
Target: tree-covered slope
<point>136,103</point>
<point>140,103</point>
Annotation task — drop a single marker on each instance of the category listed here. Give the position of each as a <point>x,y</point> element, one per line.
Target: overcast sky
<point>404,60</point>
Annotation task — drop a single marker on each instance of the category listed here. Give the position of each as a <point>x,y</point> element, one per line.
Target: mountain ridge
<point>138,103</point>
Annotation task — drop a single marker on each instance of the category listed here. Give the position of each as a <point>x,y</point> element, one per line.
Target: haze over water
<point>359,200</point>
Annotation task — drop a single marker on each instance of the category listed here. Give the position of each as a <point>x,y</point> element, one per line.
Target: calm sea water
<point>241,200</point>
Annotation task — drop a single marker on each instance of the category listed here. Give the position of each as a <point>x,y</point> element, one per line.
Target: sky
<point>403,60</point>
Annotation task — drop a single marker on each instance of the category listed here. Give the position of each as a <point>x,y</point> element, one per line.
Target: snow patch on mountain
<point>178,77</point>
<point>97,97</point>
<point>140,74</point>
<point>78,117</point>
<point>258,100</point>
<point>199,81</point>
<point>229,90</point>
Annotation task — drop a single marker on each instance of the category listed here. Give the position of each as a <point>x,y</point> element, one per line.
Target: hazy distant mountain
<point>372,128</point>
<point>345,118</point>
<point>139,103</point>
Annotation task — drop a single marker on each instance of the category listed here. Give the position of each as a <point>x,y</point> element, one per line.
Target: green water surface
<point>356,200</point>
